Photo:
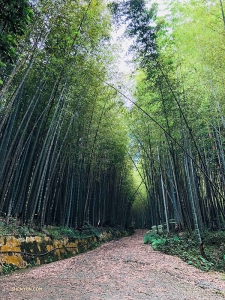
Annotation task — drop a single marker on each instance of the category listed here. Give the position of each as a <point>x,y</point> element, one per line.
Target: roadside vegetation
<point>58,232</point>
<point>103,234</point>
<point>185,246</point>
<point>177,124</point>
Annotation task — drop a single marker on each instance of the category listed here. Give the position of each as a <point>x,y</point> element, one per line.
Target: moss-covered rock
<point>24,251</point>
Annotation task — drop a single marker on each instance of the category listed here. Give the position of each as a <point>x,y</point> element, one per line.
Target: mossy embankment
<point>22,247</point>
<point>185,246</point>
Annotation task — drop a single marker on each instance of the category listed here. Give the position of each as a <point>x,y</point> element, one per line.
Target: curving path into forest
<point>122,269</point>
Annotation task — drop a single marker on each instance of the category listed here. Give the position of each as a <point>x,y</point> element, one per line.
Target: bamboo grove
<point>63,140</point>
<point>177,123</point>
<point>71,153</point>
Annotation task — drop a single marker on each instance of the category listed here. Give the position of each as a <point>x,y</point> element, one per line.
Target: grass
<point>185,246</point>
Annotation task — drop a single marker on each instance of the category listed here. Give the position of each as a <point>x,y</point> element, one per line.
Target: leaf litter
<point>118,270</point>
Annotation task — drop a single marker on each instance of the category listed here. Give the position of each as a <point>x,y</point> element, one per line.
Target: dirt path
<point>123,269</point>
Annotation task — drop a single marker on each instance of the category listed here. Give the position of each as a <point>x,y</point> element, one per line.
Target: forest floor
<point>120,269</point>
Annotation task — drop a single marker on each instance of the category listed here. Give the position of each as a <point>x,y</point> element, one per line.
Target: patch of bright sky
<point>125,43</point>
<point>124,64</point>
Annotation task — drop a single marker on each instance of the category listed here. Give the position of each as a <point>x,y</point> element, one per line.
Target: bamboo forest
<point>79,145</point>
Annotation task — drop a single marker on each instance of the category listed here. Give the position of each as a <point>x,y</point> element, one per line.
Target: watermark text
<point>26,289</point>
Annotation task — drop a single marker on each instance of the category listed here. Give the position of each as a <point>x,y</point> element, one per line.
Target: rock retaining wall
<point>35,250</point>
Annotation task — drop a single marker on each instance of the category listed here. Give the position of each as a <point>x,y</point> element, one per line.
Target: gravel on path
<point>118,270</point>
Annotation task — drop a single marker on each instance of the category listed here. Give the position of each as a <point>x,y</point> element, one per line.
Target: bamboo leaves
<point>63,140</point>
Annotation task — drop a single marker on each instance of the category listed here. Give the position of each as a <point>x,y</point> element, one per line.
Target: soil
<point>118,270</point>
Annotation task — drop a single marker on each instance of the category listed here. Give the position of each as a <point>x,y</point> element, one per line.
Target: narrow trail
<point>122,269</point>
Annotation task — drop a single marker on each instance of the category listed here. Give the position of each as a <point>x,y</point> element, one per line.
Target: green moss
<point>28,246</point>
<point>89,239</point>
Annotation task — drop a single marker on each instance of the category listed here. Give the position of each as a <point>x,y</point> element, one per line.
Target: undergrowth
<point>55,232</point>
<point>185,246</point>
<point>7,268</point>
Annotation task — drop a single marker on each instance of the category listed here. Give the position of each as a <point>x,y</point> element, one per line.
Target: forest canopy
<point>71,152</point>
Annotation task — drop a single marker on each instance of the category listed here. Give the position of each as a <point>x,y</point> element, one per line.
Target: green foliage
<point>113,6</point>
<point>187,248</point>
<point>154,239</point>
<point>15,229</point>
<point>214,238</point>
<point>7,268</point>
<point>23,230</point>
<point>59,232</point>
<point>32,263</point>
<point>140,25</point>
<point>14,18</point>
